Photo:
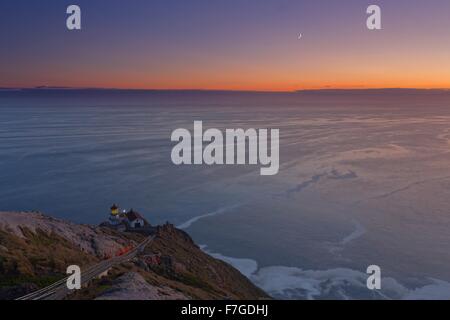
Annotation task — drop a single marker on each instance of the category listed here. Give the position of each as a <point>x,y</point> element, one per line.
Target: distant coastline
<point>192,90</point>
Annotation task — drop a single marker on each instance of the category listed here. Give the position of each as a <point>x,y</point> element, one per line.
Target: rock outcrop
<point>35,251</point>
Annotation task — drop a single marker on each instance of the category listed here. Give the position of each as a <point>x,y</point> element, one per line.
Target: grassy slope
<point>40,259</point>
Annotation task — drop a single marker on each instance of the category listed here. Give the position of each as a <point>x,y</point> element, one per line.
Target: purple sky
<point>225,44</point>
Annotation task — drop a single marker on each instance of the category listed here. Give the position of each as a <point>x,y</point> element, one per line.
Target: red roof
<point>132,215</point>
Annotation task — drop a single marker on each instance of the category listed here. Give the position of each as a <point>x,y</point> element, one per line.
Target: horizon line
<point>224,90</point>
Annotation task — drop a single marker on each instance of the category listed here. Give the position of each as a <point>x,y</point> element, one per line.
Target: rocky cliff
<point>35,251</point>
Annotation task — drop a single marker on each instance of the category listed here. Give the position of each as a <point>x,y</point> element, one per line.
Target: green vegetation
<point>39,259</point>
<point>41,282</point>
<point>194,281</point>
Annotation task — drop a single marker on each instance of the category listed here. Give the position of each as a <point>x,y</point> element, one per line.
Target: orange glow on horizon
<point>245,49</point>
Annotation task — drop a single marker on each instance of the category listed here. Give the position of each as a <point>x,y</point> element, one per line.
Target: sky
<point>225,44</point>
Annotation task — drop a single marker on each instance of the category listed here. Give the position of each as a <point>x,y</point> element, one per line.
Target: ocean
<point>364,180</point>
